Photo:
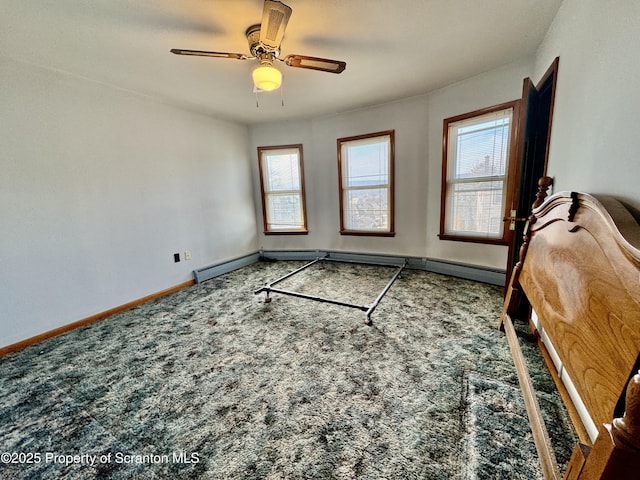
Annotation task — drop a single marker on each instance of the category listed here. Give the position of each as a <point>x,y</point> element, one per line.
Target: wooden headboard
<point>579,270</point>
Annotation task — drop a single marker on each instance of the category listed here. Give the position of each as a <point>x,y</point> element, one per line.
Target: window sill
<point>364,233</point>
<point>286,232</point>
<point>460,238</point>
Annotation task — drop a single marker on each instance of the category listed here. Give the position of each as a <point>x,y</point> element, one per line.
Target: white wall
<point>417,122</point>
<point>594,140</point>
<point>99,187</point>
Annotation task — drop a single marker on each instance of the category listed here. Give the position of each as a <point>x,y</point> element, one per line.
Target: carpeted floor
<point>213,383</point>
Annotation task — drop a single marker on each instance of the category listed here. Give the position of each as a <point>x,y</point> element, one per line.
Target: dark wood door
<point>533,152</point>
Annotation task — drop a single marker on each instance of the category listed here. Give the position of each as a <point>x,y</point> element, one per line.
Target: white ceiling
<point>393,49</point>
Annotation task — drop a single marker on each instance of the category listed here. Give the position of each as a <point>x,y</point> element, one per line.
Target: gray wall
<point>99,187</point>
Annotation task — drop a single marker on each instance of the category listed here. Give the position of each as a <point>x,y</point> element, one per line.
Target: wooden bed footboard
<point>579,271</point>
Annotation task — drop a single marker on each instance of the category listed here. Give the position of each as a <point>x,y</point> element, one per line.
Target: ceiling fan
<point>264,44</point>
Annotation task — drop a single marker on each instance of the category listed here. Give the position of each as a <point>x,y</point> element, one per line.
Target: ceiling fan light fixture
<point>264,40</point>
<point>266,77</point>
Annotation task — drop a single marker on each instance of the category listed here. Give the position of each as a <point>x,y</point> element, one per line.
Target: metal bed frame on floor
<point>368,309</point>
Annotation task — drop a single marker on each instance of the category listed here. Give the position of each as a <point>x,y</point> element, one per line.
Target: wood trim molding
<point>16,347</point>
<point>366,233</point>
<point>286,232</point>
<point>392,153</point>
<point>305,229</point>
<point>510,180</point>
<point>485,240</point>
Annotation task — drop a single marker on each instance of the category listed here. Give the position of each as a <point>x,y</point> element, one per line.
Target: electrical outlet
<point>176,257</point>
<point>187,254</point>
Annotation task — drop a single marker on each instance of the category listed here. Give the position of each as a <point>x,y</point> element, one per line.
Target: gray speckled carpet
<point>213,383</point>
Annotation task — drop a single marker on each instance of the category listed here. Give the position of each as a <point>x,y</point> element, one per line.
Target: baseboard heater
<point>218,269</point>
<point>444,267</point>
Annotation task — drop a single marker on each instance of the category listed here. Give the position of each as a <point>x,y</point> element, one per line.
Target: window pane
<point>367,209</point>
<point>281,183</point>
<point>477,164</point>
<point>482,152</point>
<point>282,172</point>
<point>285,211</point>
<point>367,164</point>
<point>366,182</point>
<point>474,208</point>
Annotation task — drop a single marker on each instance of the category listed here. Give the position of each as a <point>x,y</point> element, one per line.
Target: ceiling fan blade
<point>315,63</point>
<point>274,22</point>
<point>201,53</point>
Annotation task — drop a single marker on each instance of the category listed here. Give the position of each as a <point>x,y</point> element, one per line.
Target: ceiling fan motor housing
<point>256,47</point>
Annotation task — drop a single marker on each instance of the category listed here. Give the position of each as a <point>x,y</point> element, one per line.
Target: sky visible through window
<point>368,164</point>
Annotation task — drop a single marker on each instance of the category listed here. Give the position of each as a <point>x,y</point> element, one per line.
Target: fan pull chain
<point>258,98</point>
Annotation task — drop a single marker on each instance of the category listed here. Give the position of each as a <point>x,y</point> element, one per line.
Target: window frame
<point>268,231</point>
<point>509,178</point>
<point>390,185</point>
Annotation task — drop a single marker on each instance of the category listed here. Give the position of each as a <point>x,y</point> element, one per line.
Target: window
<point>477,163</point>
<point>365,172</point>
<point>282,187</point>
